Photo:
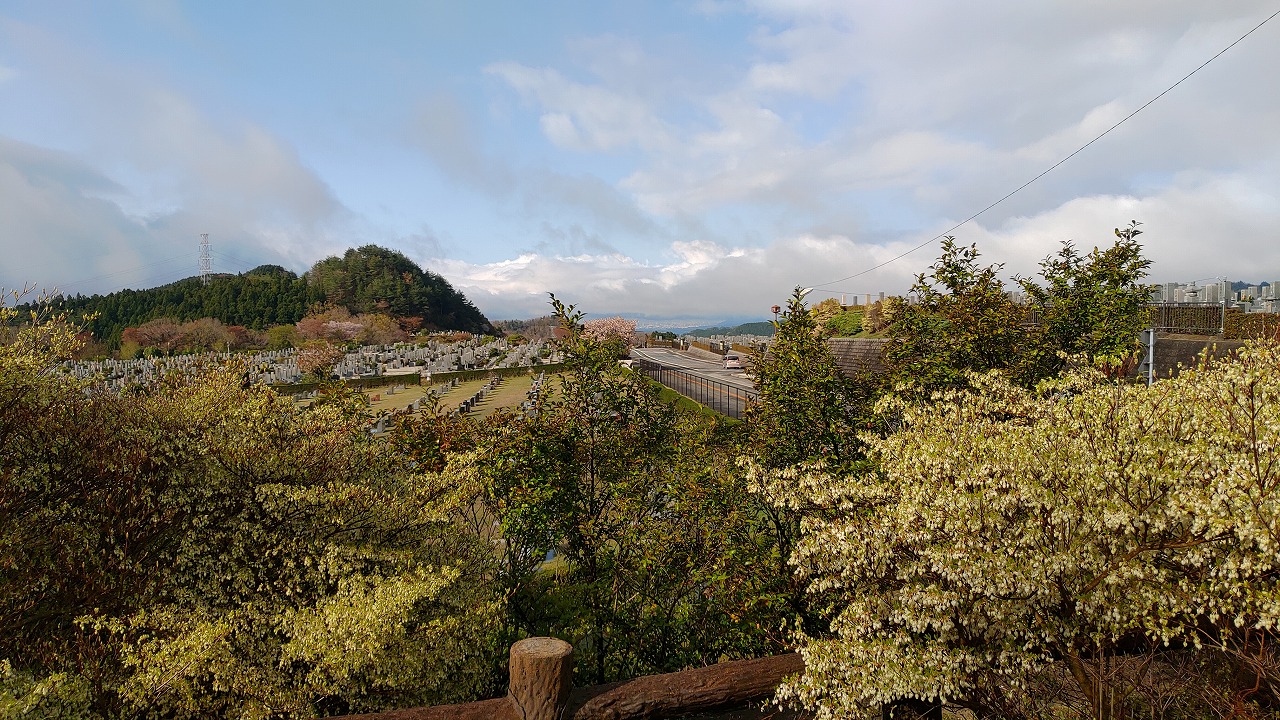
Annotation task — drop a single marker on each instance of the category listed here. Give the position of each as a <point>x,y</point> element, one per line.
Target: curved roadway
<point>705,381</point>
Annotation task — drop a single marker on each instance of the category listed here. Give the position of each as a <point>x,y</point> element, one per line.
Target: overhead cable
<point>1052,167</point>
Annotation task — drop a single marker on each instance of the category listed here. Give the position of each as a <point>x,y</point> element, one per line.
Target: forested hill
<point>763,327</point>
<point>368,279</point>
<point>374,279</point>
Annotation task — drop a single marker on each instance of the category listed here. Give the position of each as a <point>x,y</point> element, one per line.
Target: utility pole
<point>1150,342</point>
<point>205,263</point>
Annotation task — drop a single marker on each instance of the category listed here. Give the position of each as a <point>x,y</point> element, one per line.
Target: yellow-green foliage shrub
<point>1006,537</point>
<point>846,324</point>
<point>205,548</point>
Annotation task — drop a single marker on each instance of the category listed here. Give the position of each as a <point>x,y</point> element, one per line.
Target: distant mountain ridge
<point>1239,285</point>
<point>369,279</point>
<point>763,327</point>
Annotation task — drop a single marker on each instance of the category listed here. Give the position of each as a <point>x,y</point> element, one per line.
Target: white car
<point>733,362</point>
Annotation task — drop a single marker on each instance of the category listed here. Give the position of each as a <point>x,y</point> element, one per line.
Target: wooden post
<point>541,678</point>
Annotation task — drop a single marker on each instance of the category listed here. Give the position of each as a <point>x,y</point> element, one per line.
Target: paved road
<point>705,381</point>
<point>710,369</point>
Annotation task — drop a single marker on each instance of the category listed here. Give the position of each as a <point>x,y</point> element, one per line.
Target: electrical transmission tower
<point>205,263</point>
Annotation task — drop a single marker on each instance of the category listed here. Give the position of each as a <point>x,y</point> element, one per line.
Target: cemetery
<point>397,378</point>
<point>280,367</point>
<point>474,398</point>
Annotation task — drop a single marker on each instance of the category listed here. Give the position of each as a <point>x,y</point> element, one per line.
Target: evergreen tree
<point>367,280</point>
<point>806,420</point>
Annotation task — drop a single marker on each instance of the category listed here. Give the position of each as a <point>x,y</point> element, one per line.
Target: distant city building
<point>1213,291</point>
<point>1254,298</point>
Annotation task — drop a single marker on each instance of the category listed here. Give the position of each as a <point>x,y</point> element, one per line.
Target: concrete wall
<point>863,355</point>
<point>1174,352</point>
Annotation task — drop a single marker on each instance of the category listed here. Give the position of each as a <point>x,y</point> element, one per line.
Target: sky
<point>680,163</point>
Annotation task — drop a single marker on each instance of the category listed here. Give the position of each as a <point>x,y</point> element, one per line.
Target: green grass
<point>394,402</point>
<point>671,397</point>
<point>510,393</point>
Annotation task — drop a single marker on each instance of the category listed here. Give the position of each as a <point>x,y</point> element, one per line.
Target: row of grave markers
<point>470,403</point>
<point>380,425</point>
<point>530,405</point>
<point>280,367</point>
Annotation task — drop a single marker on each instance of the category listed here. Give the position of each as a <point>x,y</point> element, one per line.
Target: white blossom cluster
<point>610,328</point>
<point>1003,530</point>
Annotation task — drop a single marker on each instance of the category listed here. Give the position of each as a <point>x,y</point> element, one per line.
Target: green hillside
<point>367,279</point>
<point>374,279</point>
<point>763,327</point>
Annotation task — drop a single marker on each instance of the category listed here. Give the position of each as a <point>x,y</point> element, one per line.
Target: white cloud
<point>1202,225</point>
<point>699,279</point>
<point>954,105</point>
<point>66,224</point>
<point>817,60</point>
<point>154,170</point>
<point>930,112</point>
<point>837,134</point>
<point>582,117</point>
<point>447,134</point>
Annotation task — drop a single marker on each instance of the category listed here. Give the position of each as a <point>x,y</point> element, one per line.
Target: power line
<point>184,256</point>
<point>236,260</point>
<point>1052,167</point>
<point>173,275</point>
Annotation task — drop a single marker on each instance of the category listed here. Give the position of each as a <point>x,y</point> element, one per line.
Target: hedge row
<point>468,375</point>
<point>416,379</point>
<point>1250,326</point>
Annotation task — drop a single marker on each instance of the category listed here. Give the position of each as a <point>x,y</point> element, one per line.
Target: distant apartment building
<point>1255,298</point>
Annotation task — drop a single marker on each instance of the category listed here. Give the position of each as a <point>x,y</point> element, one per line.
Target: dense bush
<point>1015,546</point>
<point>1251,326</point>
<point>205,548</point>
<point>845,324</point>
<point>657,565</point>
<point>1089,307</point>
<point>1056,553</point>
<point>808,413</point>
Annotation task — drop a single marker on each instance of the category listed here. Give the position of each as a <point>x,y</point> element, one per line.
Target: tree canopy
<point>1004,522</point>
<point>1089,307</point>
<point>369,279</point>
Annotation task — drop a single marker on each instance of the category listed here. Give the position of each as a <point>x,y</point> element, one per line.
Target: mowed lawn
<point>511,391</point>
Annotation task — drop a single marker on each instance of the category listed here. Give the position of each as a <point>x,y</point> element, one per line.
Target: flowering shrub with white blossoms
<point>1006,536</point>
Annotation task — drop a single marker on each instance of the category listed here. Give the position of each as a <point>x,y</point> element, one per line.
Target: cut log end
<point>541,678</point>
<point>542,647</point>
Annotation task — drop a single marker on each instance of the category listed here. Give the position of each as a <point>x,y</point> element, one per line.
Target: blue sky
<point>678,162</point>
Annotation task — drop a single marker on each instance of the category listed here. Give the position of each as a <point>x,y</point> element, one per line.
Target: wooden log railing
<point>541,689</point>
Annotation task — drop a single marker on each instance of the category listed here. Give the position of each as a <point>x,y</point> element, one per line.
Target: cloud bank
<point>698,163</point>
